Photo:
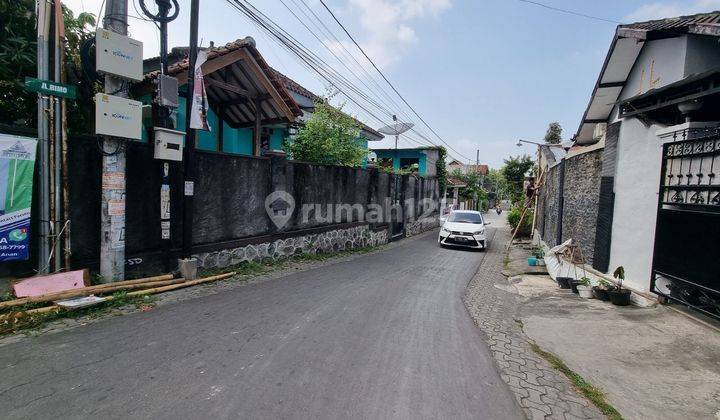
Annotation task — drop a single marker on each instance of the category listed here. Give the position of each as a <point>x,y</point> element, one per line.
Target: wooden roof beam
<point>228,87</point>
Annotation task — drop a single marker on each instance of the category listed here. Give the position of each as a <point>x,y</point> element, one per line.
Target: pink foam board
<point>41,285</point>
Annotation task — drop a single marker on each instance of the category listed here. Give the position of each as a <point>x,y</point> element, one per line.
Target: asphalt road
<point>381,336</point>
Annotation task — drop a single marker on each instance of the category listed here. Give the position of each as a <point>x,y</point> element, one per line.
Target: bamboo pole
<point>181,285</point>
<point>526,207</point>
<point>150,291</point>
<point>84,291</point>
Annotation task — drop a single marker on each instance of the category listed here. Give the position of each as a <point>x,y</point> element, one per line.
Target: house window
<point>385,162</point>
<point>406,163</point>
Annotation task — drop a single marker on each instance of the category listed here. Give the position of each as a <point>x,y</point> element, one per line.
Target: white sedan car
<point>464,228</point>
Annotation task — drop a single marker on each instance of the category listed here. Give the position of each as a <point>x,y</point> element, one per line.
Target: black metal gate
<point>686,259</point>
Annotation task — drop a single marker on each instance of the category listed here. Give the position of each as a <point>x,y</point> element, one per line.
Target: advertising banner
<point>17,161</point>
<point>198,116</point>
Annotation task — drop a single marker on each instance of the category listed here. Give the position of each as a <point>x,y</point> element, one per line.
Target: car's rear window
<point>460,217</point>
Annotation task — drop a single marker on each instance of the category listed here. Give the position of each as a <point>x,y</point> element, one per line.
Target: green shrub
<point>513,218</point>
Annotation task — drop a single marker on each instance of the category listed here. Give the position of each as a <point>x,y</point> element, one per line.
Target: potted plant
<point>564,282</point>
<point>601,290</point>
<point>539,255</point>
<point>574,286</point>
<point>619,296</point>
<point>584,288</point>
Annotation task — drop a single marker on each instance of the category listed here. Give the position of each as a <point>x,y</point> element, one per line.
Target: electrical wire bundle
<point>381,102</point>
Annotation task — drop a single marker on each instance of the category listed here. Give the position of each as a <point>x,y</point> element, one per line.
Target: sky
<point>481,73</point>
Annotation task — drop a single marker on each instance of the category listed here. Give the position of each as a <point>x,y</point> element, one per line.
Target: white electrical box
<point>118,55</point>
<point>168,144</point>
<point>118,117</point>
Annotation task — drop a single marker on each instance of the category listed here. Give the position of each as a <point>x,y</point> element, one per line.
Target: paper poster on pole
<point>198,115</point>
<point>17,160</point>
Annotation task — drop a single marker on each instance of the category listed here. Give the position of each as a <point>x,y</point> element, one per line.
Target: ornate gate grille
<point>686,260</point>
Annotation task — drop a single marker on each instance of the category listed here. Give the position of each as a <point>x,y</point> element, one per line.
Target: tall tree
<point>474,188</point>
<point>514,171</point>
<point>554,133</point>
<point>18,60</point>
<point>328,137</point>
<point>497,184</point>
<point>441,169</point>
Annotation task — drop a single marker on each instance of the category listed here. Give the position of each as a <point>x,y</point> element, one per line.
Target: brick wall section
<point>581,199</point>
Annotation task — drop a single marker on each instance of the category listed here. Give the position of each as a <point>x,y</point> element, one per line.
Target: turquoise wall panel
<point>207,140</point>
<point>237,140</point>
<point>276,139</point>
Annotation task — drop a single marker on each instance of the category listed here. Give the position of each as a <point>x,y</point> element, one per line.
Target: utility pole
<point>190,134</point>
<point>57,143</point>
<point>43,61</point>
<point>112,227</point>
<point>162,111</point>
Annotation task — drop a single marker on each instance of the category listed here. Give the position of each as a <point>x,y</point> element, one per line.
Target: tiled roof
<point>249,43</point>
<point>481,169</point>
<point>624,50</point>
<point>296,87</point>
<point>451,180</point>
<point>676,23</point>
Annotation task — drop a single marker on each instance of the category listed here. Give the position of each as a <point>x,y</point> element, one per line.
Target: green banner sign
<point>49,88</point>
<point>17,161</point>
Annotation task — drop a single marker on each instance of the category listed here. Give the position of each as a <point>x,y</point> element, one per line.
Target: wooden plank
<point>257,130</point>
<point>63,294</point>
<point>167,288</point>
<point>228,87</point>
<point>267,84</point>
<point>41,285</point>
<point>214,64</point>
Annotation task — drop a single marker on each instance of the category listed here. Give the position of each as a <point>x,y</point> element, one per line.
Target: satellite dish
<point>396,129</point>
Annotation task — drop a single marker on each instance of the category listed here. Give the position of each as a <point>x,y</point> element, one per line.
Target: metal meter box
<point>118,55</point>
<point>118,117</point>
<point>167,91</point>
<point>168,144</point>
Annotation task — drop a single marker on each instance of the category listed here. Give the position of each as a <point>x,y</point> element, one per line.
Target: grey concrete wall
<point>568,202</point>
<point>229,203</point>
<point>548,206</point>
<point>230,210</point>
<point>316,243</point>
<point>581,199</point>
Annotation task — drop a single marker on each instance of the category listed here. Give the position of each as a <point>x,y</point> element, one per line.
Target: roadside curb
<point>540,390</point>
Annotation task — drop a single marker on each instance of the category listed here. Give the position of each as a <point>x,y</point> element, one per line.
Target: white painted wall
<point>637,178</point>
<point>639,153</point>
<point>660,63</point>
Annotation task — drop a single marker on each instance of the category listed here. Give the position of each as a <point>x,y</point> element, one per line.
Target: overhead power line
<point>368,74</point>
<point>307,58</point>
<point>298,50</point>
<point>311,61</point>
<point>385,78</point>
<point>569,12</point>
<point>391,108</point>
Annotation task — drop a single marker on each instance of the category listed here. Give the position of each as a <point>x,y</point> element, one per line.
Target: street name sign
<point>49,88</point>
